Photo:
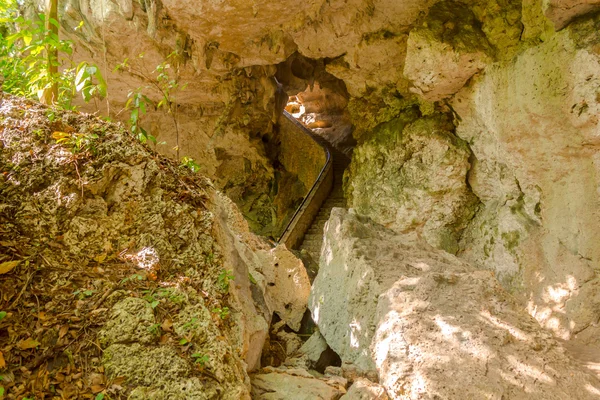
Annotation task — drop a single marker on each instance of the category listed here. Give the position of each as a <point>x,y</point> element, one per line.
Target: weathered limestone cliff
<point>143,266</point>
<point>475,131</point>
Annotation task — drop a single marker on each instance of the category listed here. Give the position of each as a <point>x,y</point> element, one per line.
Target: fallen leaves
<point>2,362</point>
<point>8,266</point>
<point>27,344</point>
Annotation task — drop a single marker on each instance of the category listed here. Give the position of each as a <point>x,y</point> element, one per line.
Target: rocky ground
<point>124,275</point>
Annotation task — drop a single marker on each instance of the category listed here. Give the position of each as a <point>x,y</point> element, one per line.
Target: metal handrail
<point>317,183</point>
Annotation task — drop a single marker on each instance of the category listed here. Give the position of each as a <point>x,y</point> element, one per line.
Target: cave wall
<point>476,122</point>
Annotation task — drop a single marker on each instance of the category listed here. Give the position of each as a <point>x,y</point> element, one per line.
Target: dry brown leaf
<point>8,266</point>
<point>167,325</point>
<point>100,258</point>
<point>97,389</point>
<point>2,362</point>
<point>29,343</point>
<point>63,331</point>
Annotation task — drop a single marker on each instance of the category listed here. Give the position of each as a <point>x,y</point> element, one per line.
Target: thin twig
<point>22,290</point>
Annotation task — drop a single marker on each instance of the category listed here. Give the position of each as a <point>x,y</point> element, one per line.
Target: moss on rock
<point>411,177</point>
<point>130,321</point>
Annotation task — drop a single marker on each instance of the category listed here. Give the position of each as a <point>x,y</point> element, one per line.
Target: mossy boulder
<point>411,177</point>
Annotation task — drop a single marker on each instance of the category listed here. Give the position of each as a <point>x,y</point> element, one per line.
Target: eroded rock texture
<point>431,324</point>
<point>115,201</point>
<point>411,177</point>
<point>476,128</point>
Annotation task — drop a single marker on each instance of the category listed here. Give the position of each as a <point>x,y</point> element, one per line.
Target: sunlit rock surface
<point>431,324</point>
<point>534,125</point>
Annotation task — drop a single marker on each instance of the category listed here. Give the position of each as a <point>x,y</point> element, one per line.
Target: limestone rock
<point>130,321</point>
<point>364,389</point>
<point>411,176</point>
<point>539,146</point>
<point>142,366</point>
<point>284,384</point>
<point>314,347</point>
<point>431,324</point>
<point>561,12</point>
<point>445,52</point>
<point>286,284</point>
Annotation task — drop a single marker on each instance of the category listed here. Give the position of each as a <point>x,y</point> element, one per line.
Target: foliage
<point>79,142</point>
<point>137,102</point>
<point>189,162</point>
<point>89,81</point>
<point>2,315</point>
<point>25,67</point>
<point>223,280</point>
<point>164,80</point>
<point>201,359</point>
<point>223,313</point>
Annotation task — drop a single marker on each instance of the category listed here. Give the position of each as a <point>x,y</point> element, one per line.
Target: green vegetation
<point>223,312</point>
<point>223,280</point>
<point>36,63</point>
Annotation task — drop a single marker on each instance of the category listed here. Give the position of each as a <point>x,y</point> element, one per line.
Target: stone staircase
<point>313,239</point>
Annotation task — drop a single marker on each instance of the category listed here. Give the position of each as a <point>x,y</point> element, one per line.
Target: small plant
<point>164,80</point>
<point>150,298</point>
<point>137,102</point>
<point>191,324</point>
<point>188,162</point>
<point>134,277</point>
<point>154,329</point>
<point>223,313</point>
<point>2,315</point>
<point>200,359</point>
<point>79,142</point>
<point>89,81</point>
<point>223,280</point>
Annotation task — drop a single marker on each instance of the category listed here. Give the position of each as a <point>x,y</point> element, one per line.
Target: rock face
<point>445,52</point>
<point>431,324</point>
<point>538,176</point>
<point>411,176</point>
<point>364,389</point>
<point>173,259</point>
<point>284,384</point>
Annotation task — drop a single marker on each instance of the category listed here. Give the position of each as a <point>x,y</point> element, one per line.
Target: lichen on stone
<point>411,177</point>
<point>130,321</point>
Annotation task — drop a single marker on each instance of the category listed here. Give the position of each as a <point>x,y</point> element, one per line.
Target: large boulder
<point>298,384</point>
<point>411,176</point>
<point>431,324</point>
<point>533,127</point>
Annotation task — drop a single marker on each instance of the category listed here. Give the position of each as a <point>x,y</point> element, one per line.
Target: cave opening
<point>317,99</point>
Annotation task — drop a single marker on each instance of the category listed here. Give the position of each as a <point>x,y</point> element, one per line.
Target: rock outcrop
<point>431,324</point>
<point>283,384</point>
<point>411,176</point>
<point>177,292</point>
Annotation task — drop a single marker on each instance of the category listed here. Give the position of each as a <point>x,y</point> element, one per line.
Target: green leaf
<point>154,304</point>
<point>99,396</point>
<point>2,315</point>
